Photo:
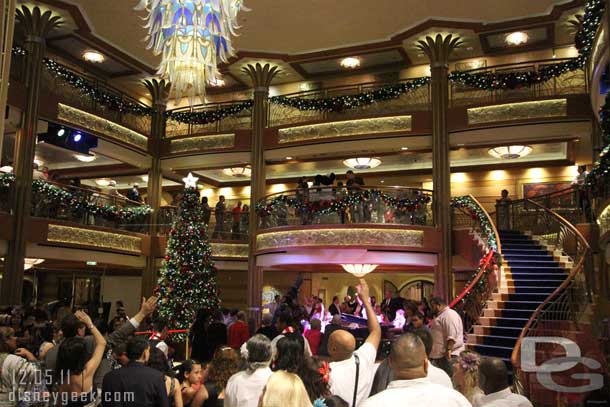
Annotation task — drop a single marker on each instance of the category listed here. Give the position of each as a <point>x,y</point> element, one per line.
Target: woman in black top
<point>158,361</point>
<point>225,364</point>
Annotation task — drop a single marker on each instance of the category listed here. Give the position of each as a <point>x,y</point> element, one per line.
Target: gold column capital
<point>159,91</point>
<point>261,75</point>
<point>35,24</point>
<point>439,48</point>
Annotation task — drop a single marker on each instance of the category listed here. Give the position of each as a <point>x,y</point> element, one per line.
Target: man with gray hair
<point>410,385</point>
<point>244,388</point>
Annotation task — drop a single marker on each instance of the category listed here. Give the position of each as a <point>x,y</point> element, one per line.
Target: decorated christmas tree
<point>188,277</point>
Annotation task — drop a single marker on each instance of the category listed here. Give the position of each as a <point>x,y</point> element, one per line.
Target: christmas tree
<point>188,277</point>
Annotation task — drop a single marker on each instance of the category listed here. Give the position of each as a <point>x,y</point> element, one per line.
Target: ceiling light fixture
<point>516,38</point>
<point>78,136</point>
<point>104,182</point>
<point>362,163</point>
<point>404,148</point>
<point>350,62</point>
<point>192,37</point>
<point>29,263</point>
<point>85,158</point>
<point>94,57</point>
<point>92,263</point>
<point>61,132</point>
<point>289,158</point>
<point>238,172</point>
<point>359,270</point>
<point>144,178</point>
<point>510,152</point>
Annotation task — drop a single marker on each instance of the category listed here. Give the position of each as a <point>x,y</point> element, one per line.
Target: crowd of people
<point>292,360</point>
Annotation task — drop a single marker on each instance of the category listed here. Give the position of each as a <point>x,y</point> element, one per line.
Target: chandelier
<point>29,263</point>
<point>362,163</point>
<point>359,270</point>
<point>192,36</point>
<point>239,172</point>
<point>509,152</point>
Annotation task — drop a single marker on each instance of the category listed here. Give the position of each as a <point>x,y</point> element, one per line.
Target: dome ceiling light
<point>85,158</point>
<point>510,152</point>
<point>362,163</point>
<point>94,57</point>
<point>238,172</point>
<point>359,270</point>
<point>350,62</point>
<point>516,38</point>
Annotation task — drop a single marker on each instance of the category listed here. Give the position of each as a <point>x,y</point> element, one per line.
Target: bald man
<point>410,386</point>
<point>351,370</point>
<point>493,380</point>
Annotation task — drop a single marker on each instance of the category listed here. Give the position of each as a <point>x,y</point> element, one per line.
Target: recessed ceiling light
<point>516,38</point>
<point>217,83</point>
<point>92,263</point>
<point>85,158</point>
<point>93,57</point>
<point>382,181</point>
<point>289,158</point>
<point>404,148</point>
<point>350,62</point>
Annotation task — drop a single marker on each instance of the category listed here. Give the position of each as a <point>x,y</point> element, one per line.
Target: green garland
<point>79,203</point>
<point>209,116</point>
<point>594,11</point>
<point>341,103</point>
<point>325,207</point>
<point>598,179</point>
<point>479,214</point>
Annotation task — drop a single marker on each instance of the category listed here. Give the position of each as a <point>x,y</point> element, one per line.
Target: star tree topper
<point>190,181</point>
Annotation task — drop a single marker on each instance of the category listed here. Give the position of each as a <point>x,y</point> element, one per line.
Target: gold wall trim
<point>345,128</point>
<point>102,126</point>
<point>340,237</point>
<point>202,143</point>
<point>518,111</point>
<point>94,238</point>
<point>229,250</point>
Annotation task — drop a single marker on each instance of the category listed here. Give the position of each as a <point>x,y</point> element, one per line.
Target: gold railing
<point>565,308</point>
<point>228,124</point>
<point>569,83</point>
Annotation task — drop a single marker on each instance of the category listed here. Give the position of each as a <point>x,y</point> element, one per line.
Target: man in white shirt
<point>493,380</point>
<point>411,386</point>
<point>436,375</point>
<point>447,335</point>
<point>348,364</point>
<point>244,388</point>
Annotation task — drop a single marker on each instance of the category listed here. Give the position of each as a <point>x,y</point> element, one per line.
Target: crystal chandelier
<point>359,270</point>
<point>192,36</point>
<point>362,163</point>
<point>510,152</point>
<point>239,172</point>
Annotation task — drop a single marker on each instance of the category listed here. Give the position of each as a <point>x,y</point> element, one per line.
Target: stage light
<point>61,132</point>
<point>78,136</point>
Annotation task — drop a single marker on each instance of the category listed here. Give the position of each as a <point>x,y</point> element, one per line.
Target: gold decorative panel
<point>202,143</point>
<point>94,238</point>
<point>340,237</point>
<point>345,128</point>
<point>229,250</point>
<point>102,126</point>
<point>603,220</point>
<point>518,111</point>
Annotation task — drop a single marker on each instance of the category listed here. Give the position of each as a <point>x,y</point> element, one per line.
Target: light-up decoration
<point>516,38</point>
<point>85,158</point>
<point>192,36</point>
<point>359,270</point>
<point>350,62</point>
<point>93,57</point>
<point>362,163</point>
<point>239,172</point>
<point>190,181</point>
<point>510,152</point>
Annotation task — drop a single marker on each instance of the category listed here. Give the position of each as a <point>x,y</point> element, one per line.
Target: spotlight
<point>61,132</point>
<point>78,136</point>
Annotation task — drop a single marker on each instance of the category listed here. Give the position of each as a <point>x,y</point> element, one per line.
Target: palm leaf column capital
<point>438,49</point>
<point>261,75</point>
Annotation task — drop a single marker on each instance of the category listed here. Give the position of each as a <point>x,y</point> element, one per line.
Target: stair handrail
<point>471,302</point>
<point>564,294</point>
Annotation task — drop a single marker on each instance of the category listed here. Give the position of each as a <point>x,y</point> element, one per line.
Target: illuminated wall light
<point>497,175</point>
<point>104,182</point>
<point>94,57</point>
<point>516,38</point>
<point>350,62</point>
<point>459,177</point>
<point>144,178</point>
<point>536,174</point>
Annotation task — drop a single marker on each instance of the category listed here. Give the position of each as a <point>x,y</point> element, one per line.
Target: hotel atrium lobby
<point>354,165</point>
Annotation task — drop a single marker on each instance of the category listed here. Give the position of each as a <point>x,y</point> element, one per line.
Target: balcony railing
<point>226,230</point>
<point>228,124</point>
<point>416,100</point>
<point>334,205</point>
<point>570,83</point>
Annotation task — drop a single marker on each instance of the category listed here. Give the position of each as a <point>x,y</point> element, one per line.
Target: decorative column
<point>261,76</point>
<point>7,27</point>
<point>159,91</point>
<point>36,27</point>
<point>438,50</point>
